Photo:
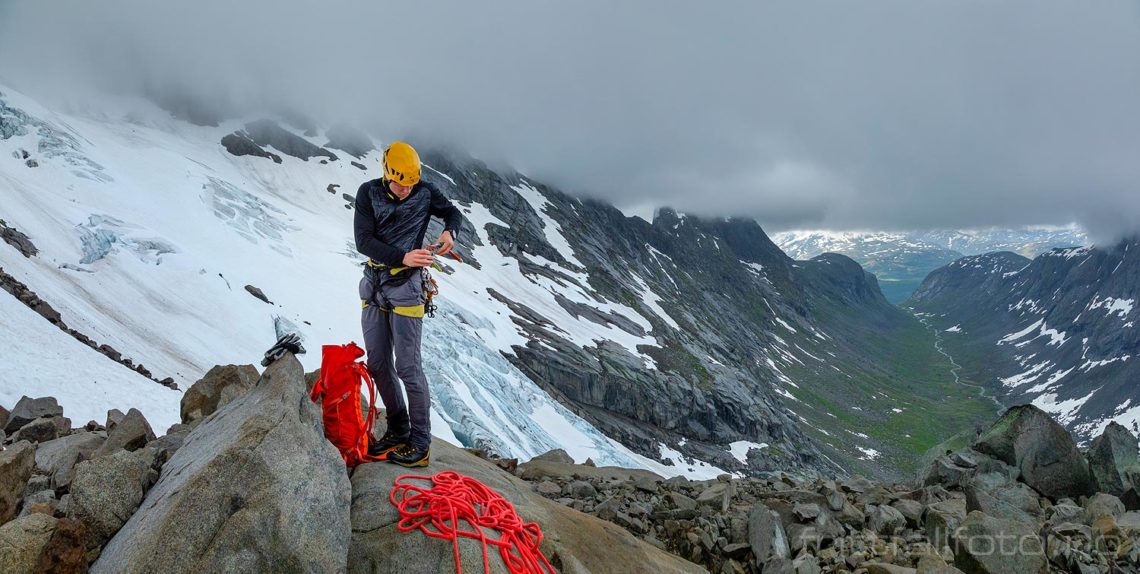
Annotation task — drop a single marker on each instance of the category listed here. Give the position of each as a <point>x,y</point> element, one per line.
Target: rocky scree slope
<point>247,483</point>
<point>1059,331</point>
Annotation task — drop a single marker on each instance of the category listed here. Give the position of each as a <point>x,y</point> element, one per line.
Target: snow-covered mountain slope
<point>1059,330</point>
<point>684,345</point>
<point>148,231</point>
<point>901,260</point>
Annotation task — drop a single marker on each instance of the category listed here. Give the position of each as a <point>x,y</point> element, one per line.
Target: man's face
<point>400,191</point>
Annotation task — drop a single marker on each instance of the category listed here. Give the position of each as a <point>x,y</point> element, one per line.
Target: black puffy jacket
<point>387,227</point>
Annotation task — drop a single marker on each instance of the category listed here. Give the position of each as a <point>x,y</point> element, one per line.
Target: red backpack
<point>345,425</point>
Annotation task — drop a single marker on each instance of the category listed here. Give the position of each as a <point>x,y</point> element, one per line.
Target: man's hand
<point>446,243</point>
<point>418,258</point>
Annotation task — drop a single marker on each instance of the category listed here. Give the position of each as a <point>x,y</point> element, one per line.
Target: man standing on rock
<point>392,215</point>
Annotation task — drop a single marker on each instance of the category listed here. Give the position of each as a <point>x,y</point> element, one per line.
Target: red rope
<point>437,511</point>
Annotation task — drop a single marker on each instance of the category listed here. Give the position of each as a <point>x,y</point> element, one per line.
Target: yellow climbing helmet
<point>401,164</point>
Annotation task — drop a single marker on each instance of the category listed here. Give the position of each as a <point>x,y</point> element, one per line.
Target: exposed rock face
<point>572,541</point>
<point>239,144</point>
<point>1046,454</point>
<point>256,487</point>
<point>216,389</point>
<point>1110,457</point>
<point>16,464</point>
<point>17,239</point>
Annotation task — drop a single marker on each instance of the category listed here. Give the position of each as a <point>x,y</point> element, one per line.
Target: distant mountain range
<point>901,260</point>
<point>1059,330</point>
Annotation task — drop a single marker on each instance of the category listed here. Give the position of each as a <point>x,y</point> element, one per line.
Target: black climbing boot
<point>389,442</point>
<point>410,455</point>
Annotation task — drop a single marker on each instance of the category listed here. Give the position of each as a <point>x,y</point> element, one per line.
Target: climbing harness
<point>437,511</point>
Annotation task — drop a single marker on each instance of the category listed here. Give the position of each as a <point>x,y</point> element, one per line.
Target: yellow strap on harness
<point>413,311</point>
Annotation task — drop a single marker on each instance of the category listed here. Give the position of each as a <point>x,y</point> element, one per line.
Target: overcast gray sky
<point>867,114</point>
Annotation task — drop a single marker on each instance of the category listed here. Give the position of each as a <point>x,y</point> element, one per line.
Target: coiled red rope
<point>437,511</point>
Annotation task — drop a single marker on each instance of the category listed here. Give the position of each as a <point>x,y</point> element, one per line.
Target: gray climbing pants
<point>392,320</point>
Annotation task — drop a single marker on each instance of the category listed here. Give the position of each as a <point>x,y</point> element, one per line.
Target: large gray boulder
<point>131,433</point>
<point>1110,456</point>
<point>107,490</point>
<point>28,409</point>
<point>16,465</point>
<point>987,545</point>
<point>1045,453</point>
<point>575,542</point>
<point>254,488</point>
<point>766,534</point>
<point>57,458</point>
<point>216,389</point>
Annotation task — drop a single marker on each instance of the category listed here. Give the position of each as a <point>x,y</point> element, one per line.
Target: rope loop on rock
<point>438,510</point>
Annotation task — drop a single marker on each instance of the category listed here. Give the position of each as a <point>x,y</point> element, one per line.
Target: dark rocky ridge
<point>261,134</point>
<point>29,298</point>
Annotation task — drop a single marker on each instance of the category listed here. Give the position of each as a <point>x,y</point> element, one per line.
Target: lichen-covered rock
<point>24,543</point>
<point>107,490</point>
<point>218,387</point>
<point>1046,454</point>
<point>254,488</point>
<point>16,465</point>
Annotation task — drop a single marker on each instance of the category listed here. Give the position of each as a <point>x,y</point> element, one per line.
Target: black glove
<point>290,343</point>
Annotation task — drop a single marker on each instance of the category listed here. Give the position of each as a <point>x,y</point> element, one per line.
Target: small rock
<point>132,433</point>
<point>911,510</point>
<point>886,520</point>
<point>883,568</point>
<point>114,417</point>
<point>39,430</point>
<point>681,501</point>
<point>582,489</point>
<point>258,293</point>
<point>556,455</point>
<point>1102,504</point>
<point>548,488</point>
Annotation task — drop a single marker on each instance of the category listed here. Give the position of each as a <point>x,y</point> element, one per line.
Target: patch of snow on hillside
<point>552,228</point>
<point>1120,307</point>
<point>693,468</point>
<point>868,453</point>
<point>954,329</point>
<point>739,449</point>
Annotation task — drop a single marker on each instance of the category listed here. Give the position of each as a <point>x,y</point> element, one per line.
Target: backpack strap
<point>362,370</point>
